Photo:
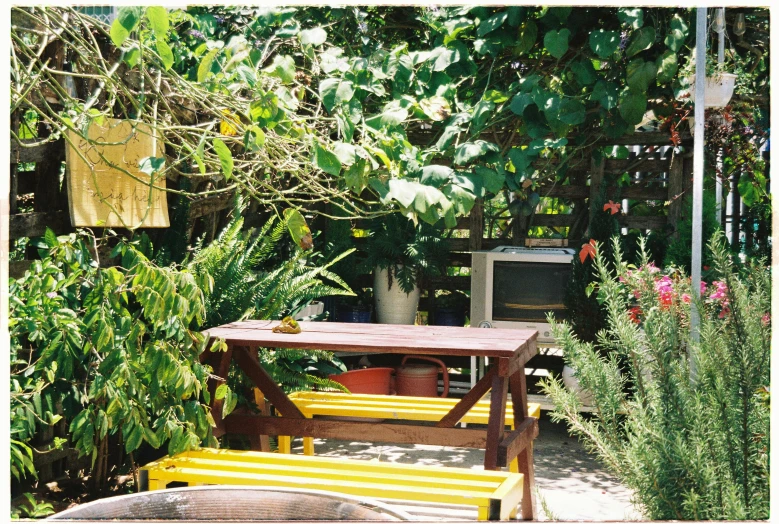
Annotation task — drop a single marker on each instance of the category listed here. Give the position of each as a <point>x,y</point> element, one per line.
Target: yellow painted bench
<point>393,407</point>
<point>495,493</point>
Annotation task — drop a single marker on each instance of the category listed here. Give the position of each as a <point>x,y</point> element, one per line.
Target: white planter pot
<point>719,89</point>
<point>393,306</point>
<point>572,383</point>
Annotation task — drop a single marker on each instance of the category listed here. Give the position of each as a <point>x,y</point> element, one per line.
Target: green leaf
<point>50,238</point>
<point>158,21</point>
<point>447,137</point>
<point>205,65</point>
<point>166,54</point>
<point>446,56</point>
<point>221,391</point>
<point>436,175</point>
<point>436,108</point>
<point>528,32</point>
<point>125,22</point>
<point>667,66</point>
<point>491,180</point>
<point>571,112</point>
<point>606,93</point>
<point>391,116</point>
<point>674,40</point>
<point>461,199</point>
<point>345,153</point>
<point>469,151</point>
<point>132,56</point>
<point>481,113</point>
<point>326,161</point>
<point>151,164</point>
<point>356,177</point>
<point>640,74</point>
<point>335,91</point>
<point>641,40</point>
<point>747,191</point>
<point>298,228</point>
<point>492,23</point>
<point>254,138</point>
<point>584,71</point>
<point>283,67</point>
<point>632,106</point>
<point>631,16</point>
<point>556,42</point>
<point>604,43</point>
<point>265,111</point>
<point>520,102</point>
<point>225,158</point>
<point>315,37</point>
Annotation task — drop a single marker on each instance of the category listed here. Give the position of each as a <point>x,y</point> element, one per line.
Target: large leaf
<point>326,160</point>
<point>166,54</point>
<point>571,112</point>
<point>492,23</point>
<point>225,157</point>
<point>283,67</point>
<point>335,91</point>
<point>631,16</point>
<point>126,21</point>
<point>556,42</point>
<point>632,106</point>
<point>677,34</point>
<point>298,228</point>
<point>345,153</point>
<point>606,93</point>
<point>481,113</point>
<point>447,137</point>
<point>666,67</point>
<point>462,199</point>
<point>391,116</point>
<point>604,43</point>
<point>585,72</point>
<point>315,37</point>
<point>356,177</point>
<point>491,180</point>
<point>528,31</point>
<point>469,151</point>
<point>205,65</point>
<point>446,56</point>
<point>158,21</point>
<point>640,74</point>
<point>641,40</point>
<point>265,110</point>
<point>520,102</point>
<point>436,108</point>
<point>435,175</point>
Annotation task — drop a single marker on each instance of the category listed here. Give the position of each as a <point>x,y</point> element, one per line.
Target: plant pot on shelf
<point>354,313</point>
<point>369,381</point>
<point>449,316</point>
<point>393,305</point>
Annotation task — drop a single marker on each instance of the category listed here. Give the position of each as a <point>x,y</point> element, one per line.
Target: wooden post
<point>596,181</point>
<point>675,191</point>
<point>476,232</point>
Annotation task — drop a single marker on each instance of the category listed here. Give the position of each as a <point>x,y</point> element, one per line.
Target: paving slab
<point>572,485</point>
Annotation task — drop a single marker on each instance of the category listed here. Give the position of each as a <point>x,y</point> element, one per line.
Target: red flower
<point>635,313</point>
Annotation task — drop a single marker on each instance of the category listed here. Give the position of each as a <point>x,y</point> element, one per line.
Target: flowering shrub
<point>681,418</point>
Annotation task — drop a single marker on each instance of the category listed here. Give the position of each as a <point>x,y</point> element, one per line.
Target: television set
<point>516,287</point>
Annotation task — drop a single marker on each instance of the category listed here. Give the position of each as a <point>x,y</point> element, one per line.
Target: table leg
<point>497,421</point>
<point>525,458</point>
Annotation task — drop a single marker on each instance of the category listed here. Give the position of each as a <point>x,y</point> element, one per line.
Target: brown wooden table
<point>507,349</point>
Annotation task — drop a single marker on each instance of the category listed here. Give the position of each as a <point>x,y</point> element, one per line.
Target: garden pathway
<point>572,484</point>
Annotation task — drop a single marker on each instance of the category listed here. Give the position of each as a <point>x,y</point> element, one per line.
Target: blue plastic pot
<point>355,314</point>
<point>449,317</point>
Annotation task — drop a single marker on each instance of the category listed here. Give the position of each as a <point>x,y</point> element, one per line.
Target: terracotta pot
<point>420,380</point>
<point>374,381</point>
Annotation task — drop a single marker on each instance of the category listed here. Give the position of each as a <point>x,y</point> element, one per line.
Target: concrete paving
<point>571,484</point>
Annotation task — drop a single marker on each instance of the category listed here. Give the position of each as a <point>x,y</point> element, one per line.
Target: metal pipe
<point>697,180</point>
<point>720,60</point>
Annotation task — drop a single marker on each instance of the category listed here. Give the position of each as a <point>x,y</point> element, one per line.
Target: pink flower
<point>721,291</point>
<point>652,268</point>
<point>703,287</point>
<point>51,294</point>
<point>686,298</point>
<point>766,319</point>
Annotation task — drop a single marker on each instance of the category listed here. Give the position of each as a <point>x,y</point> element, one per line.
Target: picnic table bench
<point>508,350</point>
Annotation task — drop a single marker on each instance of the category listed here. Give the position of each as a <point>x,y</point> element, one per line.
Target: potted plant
<point>720,81</point>
<point>451,308</point>
<point>401,253</point>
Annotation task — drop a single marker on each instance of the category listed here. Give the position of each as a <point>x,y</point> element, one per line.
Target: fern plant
<point>245,280</point>
<point>683,422</point>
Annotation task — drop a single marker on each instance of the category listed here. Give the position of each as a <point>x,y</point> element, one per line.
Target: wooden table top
<point>383,338</point>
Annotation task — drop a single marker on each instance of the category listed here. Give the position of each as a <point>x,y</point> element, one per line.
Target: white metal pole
<point>697,180</point>
<point>720,60</point>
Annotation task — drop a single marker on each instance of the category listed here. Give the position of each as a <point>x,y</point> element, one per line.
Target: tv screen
<point>527,291</point>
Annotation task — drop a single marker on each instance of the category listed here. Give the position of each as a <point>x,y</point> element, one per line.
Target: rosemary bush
<point>682,422</point>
